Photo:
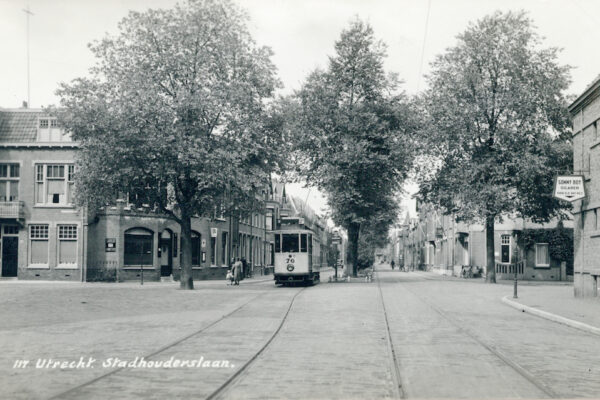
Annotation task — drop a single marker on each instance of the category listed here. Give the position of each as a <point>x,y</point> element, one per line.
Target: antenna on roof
<point>28,13</point>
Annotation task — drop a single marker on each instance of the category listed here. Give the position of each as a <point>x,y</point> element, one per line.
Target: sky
<point>300,32</point>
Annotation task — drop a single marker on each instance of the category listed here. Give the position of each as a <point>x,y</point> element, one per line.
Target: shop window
<point>542,255</point>
<point>38,236</point>
<point>138,247</point>
<point>67,244</point>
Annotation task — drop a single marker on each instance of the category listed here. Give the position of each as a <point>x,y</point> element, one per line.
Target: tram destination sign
<point>569,187</point>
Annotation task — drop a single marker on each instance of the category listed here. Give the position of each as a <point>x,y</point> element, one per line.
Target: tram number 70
<point>290,260</point>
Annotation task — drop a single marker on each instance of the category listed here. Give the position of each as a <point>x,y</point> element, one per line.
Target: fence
<point>102,271</point>
<point>509,270</point>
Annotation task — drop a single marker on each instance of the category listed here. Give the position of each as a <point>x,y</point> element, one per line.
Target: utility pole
<point>28,13</point>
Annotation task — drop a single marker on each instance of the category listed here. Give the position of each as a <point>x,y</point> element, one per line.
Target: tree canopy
<point>354,132</point>
<point>496,115</point>
<point>176,112</point>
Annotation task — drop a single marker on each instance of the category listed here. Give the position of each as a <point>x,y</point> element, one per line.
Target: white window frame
<point>70,239</point>
<point>547,253</point>
<point>40,239</point>
<point>10,179</point>
<point>49,131</point>
<point>69,184</point>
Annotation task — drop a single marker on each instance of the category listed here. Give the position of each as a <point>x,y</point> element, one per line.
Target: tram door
<point>10,255</point>
<point>310,251</point>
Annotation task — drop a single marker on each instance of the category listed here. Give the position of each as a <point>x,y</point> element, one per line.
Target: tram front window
<point>289,243</point>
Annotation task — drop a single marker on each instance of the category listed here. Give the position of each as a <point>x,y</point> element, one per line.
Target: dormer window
<point>49,130</point>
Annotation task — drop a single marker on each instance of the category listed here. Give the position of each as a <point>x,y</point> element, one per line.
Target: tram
<point>297,256</point>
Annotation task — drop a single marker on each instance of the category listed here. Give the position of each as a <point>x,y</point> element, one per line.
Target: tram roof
<point>294,230</point>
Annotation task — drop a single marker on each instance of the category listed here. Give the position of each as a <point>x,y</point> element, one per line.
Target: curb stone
<point>552,317</point>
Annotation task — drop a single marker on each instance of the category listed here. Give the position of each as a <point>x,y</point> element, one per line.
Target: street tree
<point>496,122</point>
<point>175,113</point>
<point>353,132</point>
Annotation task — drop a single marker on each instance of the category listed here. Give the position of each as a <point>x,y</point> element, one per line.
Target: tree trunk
<point>353,235</point>
<point>490,276</point>
<point>186,281</point>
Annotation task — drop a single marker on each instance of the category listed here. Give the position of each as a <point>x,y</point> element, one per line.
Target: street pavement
<point>453,338</point>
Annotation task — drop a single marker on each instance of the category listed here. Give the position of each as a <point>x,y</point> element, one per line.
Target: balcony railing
<point>11,210</point>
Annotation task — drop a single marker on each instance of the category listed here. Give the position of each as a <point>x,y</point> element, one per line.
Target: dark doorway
<point>10,256</point>
<point>166,255</point>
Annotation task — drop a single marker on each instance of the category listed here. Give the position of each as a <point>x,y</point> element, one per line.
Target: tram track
<point>149,356</point>
<point>237,376</point>
<point>395,367</point>
<point>460,326</point>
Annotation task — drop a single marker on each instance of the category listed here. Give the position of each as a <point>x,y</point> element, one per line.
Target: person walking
<point>393,264</point>
<point>237,271</point>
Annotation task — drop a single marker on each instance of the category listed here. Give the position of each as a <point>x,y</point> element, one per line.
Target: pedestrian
<point>230,277</point>
<point>237,272</point>
<point>393,264</point>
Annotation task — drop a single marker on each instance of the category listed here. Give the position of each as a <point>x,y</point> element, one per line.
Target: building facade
<point>439,243</point>
<point>41,231</point>
<point>44,236</point>
<point>585,114</point>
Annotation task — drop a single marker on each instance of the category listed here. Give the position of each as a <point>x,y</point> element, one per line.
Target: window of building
<point>196,242</point>
<point>49,130</point>
<point>224,246</point>
<point>9,182</point>
<point>38,237</point>
<point>138,247</point>
<point>542,255</point>
<point>269,221</point>
<point>505,248</point>
<point>213,250</point>
<point>54,183</point>
<point>11,229</point>
<point>67,245</point>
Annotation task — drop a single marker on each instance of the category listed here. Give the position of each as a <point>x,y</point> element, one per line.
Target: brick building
<point>585,113</point>
<point>41,231</point>
<point>44,236</point>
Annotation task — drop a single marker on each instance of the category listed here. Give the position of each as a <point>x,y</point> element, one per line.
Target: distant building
<point>439,243</point>
<point>585,113</point>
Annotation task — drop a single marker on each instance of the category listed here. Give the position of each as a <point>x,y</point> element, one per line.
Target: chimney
<point>24,105</point>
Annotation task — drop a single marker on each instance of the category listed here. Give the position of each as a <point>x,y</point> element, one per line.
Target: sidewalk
<point>557,303</point>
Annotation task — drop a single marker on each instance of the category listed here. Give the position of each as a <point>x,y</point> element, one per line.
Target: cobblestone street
<point>452,338</point>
